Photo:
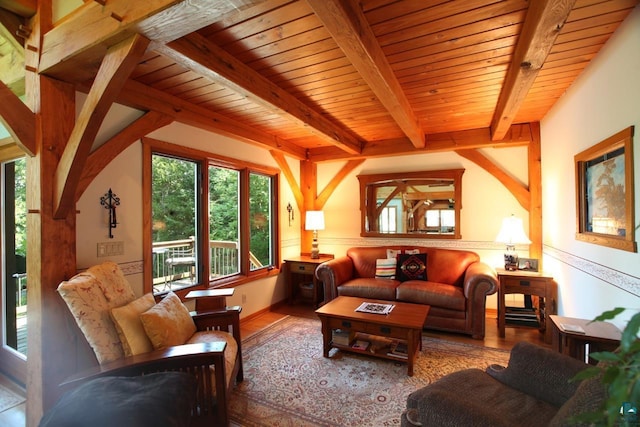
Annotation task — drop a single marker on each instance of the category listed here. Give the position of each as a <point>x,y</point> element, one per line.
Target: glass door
<point>13,352</point>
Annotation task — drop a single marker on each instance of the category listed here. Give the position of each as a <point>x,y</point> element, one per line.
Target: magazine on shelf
<point>375,308</point>
<point>360,345</point>
<point>569,327</point>
<point>399,349</point>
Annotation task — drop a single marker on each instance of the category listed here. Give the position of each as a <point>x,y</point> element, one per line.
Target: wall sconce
<point>290,210</point>
<point>110,201</point>
<point>512,234</point>
<point>314,221</point>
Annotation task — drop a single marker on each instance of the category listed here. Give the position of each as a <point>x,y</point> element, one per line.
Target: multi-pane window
<point>211,220</point>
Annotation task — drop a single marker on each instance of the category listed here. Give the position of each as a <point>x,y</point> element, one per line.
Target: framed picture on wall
<point>528,264</point>
<point>604,193</point>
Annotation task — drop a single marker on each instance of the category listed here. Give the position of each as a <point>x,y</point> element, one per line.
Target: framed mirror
<point>422,204</point>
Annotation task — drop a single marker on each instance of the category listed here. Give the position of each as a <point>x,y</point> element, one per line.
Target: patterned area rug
<point>289,383</point>
<point>9,399</point>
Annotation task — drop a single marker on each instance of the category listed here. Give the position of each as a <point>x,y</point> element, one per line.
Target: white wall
<point>603,101</point>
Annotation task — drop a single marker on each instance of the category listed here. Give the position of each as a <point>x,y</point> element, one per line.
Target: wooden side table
<point>528,283</point>
<point>301,269</point>
<point>599,336</point>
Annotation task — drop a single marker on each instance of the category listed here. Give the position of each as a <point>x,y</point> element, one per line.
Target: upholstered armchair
<point>133,336</point>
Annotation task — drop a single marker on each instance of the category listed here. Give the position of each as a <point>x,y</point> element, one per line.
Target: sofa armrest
<point>480,280</point>
<point>540,372</point>
<point>332,274</point>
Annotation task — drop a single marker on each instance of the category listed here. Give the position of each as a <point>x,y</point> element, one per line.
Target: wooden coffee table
<point>404,323</point>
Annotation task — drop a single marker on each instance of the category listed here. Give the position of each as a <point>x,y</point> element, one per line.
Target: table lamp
<point>314,221</point>
<point>512,234</point>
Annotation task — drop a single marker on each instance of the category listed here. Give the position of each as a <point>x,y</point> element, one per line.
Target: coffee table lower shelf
<point>378,346</point>
<point>404,324</point>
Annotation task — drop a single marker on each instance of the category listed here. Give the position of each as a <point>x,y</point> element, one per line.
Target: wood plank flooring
<point>255,323</point>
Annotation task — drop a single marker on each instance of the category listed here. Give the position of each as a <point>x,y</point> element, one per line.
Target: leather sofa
<point>456,287</point>
<point>535,389</point>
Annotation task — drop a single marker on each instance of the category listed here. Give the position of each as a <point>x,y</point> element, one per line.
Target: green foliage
<point>620,372</point>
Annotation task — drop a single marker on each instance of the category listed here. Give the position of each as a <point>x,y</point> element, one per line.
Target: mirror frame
<point>367,179</point>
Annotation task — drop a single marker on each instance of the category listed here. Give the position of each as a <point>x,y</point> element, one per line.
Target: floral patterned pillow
<point>90,309</point>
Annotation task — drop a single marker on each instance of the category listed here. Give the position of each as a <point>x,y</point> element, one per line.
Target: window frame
<point>205,160</point>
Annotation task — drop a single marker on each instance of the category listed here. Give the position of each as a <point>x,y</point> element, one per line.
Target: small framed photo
<point>528,264</point>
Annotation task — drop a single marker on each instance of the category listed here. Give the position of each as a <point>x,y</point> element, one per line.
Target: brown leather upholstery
<point>456,288</point>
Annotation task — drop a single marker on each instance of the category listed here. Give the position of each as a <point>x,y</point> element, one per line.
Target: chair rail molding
<point>616,278</point>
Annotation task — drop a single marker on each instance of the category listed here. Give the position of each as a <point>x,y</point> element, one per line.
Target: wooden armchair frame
<point>211,405</point>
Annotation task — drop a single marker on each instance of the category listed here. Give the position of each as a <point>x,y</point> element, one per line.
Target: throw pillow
<point>411,267</point>
<point>393,253</point>
<point>133,337</point>
<point>386,268</point>
<point>168,322</point>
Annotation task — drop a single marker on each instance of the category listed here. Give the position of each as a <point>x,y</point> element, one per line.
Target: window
<point>212,219</point>
<point>388,219</point>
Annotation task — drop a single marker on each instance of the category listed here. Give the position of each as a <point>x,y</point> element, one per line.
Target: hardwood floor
<point>15,417</point>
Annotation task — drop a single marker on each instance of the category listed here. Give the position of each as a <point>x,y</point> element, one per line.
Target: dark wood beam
<point>104,154</point>
<point>348,26</point>
<point>116,67</point>
<point>18,119</point>
<point>545,19</point>
<point>72,53</point>
<point>209,60</point>
<point>137,95</point>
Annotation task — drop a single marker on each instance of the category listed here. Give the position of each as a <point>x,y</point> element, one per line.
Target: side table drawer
<point>522,285</point>
<point>301,267</point>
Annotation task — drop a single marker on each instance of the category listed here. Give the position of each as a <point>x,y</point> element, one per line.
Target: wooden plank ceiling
<point>338,79</point>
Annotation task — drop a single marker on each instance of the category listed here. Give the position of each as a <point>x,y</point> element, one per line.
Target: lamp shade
<point>314,220</point>
<point>512,232</point>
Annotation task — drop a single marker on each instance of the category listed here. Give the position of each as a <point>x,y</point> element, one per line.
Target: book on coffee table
<point>375,308</point>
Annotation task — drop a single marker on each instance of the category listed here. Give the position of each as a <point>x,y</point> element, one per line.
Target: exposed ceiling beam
<point>519,191</point>
<point>72,53</point>
<point>24,8</point>
<point>436,142</point>
<point>116,67</point>
<point>209,60</point>
<point>137,95</point>
<point>102,155</point>
<point>349,28</point>
<point>545,19</point>
<point>18,119</point>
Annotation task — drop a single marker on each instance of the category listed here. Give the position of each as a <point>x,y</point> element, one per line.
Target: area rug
<point>9,399</point>
<point>287,381</point>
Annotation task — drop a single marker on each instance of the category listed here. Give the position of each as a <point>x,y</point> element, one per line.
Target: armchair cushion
<point>129,326</point>
<point>168,322</point>
<point>90,309</point>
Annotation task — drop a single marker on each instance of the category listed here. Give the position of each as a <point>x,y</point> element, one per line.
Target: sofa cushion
<point>168,322</point>
<point>533,369</point>
<point>127,321</point>
<point>411,267</point>
<point>433,294</point>
<point>589,396</point>
<point>472,398</point>
<point>386,268</point>
<point>370,288</point>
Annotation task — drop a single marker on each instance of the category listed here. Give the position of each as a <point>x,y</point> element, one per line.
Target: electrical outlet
<point>107,249</point>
